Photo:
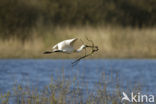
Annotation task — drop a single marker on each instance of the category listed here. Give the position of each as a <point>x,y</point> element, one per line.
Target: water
<point>38,73</point>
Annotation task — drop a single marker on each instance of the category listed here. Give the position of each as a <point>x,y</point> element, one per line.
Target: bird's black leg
<point>47,52</point>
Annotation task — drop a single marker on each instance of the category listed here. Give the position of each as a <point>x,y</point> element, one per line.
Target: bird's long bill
<point>47,52</point>
<point>89,46</point>
<point>95,47</point>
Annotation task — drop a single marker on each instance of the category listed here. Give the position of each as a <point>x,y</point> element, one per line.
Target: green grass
<point>113,42</point>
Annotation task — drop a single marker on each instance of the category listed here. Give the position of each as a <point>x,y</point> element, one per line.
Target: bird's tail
<point>47,52</point>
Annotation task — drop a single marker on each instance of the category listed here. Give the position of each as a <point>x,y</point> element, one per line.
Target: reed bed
<point>65,91</point>
<point>113,42</point>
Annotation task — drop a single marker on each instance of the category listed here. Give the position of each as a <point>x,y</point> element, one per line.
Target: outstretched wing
<point>55,46</point>
<point>71,41</point>
<point>68,42</point>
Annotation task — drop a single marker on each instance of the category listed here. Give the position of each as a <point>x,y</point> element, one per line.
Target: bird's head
<point>83,46</point>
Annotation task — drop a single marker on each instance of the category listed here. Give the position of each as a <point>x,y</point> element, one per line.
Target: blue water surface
<point>38,72</point>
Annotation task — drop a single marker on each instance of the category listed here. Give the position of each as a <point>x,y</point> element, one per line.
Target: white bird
<point>66,46</point>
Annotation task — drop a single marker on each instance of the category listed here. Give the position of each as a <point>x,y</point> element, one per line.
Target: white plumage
<point>65,46</point>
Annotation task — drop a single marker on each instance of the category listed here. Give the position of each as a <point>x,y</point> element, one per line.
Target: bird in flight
<point>66,46</point>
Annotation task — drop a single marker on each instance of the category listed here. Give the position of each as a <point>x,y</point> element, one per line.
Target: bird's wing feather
<point>65,45</point>
<point>55,46</point>
<point>71,41</point>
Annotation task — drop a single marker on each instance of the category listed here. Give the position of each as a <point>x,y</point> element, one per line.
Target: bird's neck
<point>80,49</point>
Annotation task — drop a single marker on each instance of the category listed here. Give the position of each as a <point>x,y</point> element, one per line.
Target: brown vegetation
<point>65,91</point>
<point>113,42</point>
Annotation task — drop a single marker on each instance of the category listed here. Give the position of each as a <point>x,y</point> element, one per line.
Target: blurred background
<point>121,28</point>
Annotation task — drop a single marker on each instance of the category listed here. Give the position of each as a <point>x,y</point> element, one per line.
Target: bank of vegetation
<point>120,28</point>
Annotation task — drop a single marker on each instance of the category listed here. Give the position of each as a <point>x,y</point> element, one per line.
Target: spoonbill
<point>66,46</point>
